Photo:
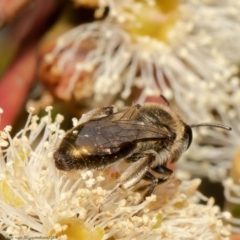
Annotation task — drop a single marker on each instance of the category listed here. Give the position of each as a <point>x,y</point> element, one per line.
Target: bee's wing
<point>130,123</point>
<point>109,134</point>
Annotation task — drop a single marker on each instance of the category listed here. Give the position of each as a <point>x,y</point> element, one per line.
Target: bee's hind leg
<point>133,174</point>
<point>97,113</point>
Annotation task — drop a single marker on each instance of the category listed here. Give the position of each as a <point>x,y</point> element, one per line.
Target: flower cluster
<point>232,196</point>
<point>37,200</point>
<point>194,52</point>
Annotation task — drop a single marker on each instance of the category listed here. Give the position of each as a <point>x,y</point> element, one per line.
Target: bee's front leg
<point>156,181</point>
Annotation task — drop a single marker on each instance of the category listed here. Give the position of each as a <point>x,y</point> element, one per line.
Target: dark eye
<point>188,135</point>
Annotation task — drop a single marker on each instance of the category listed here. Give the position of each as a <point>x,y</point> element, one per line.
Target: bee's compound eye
<point>188,135</point>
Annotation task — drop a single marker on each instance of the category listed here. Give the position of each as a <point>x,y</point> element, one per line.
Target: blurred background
<point>81,54</point>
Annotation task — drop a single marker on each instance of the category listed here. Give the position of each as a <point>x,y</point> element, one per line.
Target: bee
<point>146,136</point>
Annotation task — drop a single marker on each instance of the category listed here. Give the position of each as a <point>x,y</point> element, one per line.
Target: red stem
<point>16,83</point>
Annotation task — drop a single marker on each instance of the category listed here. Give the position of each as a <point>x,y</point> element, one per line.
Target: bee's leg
<point>162,170</point>
<point>98,112</point>
<point>165,100</point>
<point>155,181</point>
<point>133,174</point>
<point>137,106</point>
<point>108,110</point>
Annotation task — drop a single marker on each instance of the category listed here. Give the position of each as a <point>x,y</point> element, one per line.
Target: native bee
<point>146,136</point>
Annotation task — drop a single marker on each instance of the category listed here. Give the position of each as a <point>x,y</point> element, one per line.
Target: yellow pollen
<point>77,230</point>
<point>155,21</point>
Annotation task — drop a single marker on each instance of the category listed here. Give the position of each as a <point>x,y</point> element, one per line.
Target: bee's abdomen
<point>67,157</point>
<point>70,157</point>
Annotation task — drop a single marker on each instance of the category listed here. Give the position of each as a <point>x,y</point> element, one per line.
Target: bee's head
<point>187,137</point>
<point>188,130</point>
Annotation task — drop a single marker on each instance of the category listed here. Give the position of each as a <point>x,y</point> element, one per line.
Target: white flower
<point>232,196</point>
<point>200,52</point>
<point>212,152</point>
<point>37,200</point>
<point>195,62</point>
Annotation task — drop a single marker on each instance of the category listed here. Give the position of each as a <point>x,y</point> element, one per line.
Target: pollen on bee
<point>75,132</point>
<point>85,150</point>
<point>79,152</point>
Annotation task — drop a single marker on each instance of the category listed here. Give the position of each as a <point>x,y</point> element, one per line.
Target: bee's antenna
<point>211,125</point>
